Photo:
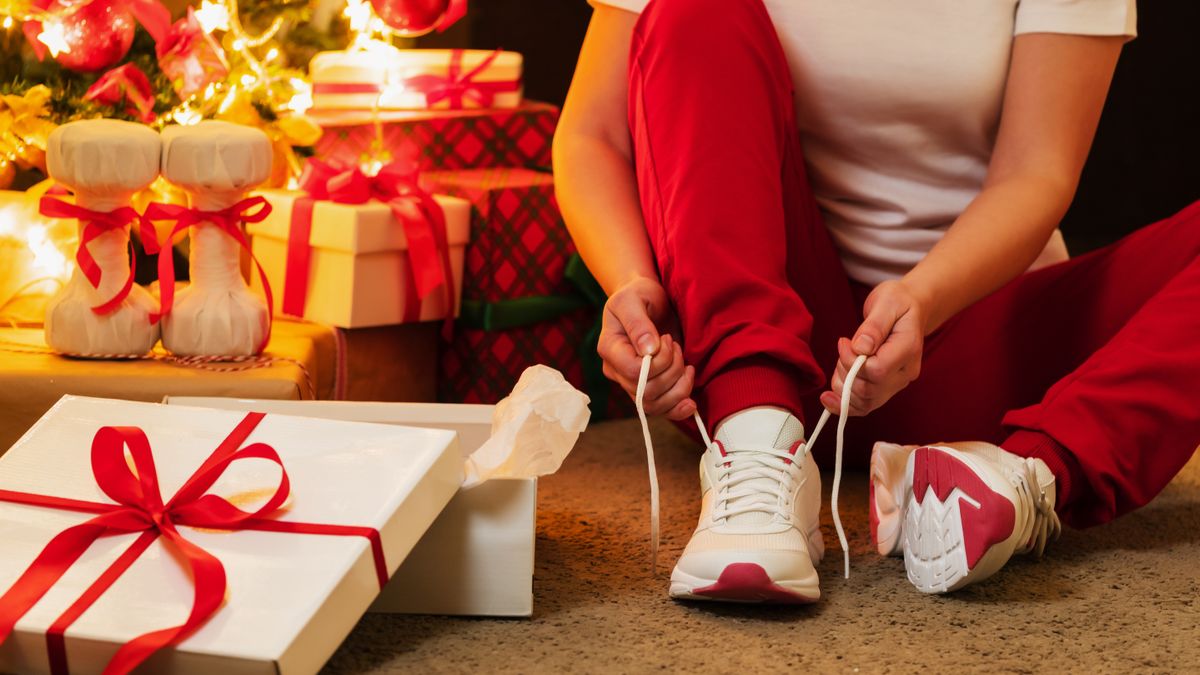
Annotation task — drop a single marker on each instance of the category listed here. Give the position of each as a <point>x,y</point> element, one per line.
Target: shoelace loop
<point>1045,522</point>
<point>844,409</point>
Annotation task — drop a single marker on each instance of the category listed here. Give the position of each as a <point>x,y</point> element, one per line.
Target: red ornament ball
<point>411,18</point>
<point>98,33</point>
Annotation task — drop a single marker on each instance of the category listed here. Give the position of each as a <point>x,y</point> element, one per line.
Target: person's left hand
<point>893,336</point>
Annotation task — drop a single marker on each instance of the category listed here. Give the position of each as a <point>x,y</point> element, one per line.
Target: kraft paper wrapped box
<point>361,270</point>
<point>32,380</point>
<point>300,571</point>
<point>444,139</point>
<point>527,297</point>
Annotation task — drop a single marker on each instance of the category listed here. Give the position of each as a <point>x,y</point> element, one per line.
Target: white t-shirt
<point>898,103</point>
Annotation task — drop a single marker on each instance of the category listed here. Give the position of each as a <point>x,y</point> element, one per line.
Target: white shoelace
<point>644,375</point>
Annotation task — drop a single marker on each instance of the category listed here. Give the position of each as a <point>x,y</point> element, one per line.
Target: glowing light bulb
<point>54,36</point>
<point>187,116</point>
<point>47,259</point>
<point>8,22</point>
<point>359,14</point>
<point>213,16</point>
<point>302,100</point>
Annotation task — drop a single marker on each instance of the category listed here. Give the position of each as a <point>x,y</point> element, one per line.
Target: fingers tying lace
<point>748,470</point>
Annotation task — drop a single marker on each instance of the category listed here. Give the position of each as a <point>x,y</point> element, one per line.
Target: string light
<point>54,36</point>
<point>301,101</point>
<point>368,30</point>
<point>186,115</point>
<point>8,23</point>
<point>213,16</point>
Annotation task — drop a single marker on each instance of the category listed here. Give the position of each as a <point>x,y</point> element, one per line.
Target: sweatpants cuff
<point>1064,466</point>
<point>746,383</point>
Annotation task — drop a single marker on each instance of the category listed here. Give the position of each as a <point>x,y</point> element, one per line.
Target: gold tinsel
<point>24,130</point>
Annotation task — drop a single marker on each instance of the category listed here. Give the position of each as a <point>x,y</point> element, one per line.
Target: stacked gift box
<point>524,296</point>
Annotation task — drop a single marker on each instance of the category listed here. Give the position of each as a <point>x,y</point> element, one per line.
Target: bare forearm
<point>996,239</point>
<point>597,192</point>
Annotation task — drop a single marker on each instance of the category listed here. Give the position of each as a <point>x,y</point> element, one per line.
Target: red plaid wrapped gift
<point>444,139</point>
<point>526,299</point>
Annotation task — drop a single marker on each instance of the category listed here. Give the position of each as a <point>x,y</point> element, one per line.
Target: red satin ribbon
<point>139,508</point>
<point>456,86</point>
<point>229,220</point>
<point>415,210</point>
<point>96,223</point>
<point>346,88</point>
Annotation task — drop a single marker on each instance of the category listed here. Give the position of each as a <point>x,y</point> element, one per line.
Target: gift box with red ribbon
<point>203,541</point>
<point>443,139</point>
<point>352,250</point>
<point>415,79</point>
<point>527,297</point>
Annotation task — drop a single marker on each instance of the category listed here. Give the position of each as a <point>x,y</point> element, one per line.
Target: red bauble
<point>98,33</point>
<point>411,18</point>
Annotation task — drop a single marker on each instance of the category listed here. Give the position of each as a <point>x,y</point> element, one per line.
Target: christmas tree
<point>155,63</point>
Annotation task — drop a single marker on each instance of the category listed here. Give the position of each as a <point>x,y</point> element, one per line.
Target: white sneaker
<point>958,511</point>
<point>759,538</point>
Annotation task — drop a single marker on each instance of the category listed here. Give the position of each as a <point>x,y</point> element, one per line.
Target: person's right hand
<point>633,318</point>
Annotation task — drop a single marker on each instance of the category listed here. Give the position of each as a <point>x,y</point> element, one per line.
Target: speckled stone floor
<point>1118,598</point>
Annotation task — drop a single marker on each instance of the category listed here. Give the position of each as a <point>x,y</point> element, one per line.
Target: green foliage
<point>20,70</point>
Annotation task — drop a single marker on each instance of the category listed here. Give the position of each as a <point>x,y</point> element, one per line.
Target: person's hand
<point>633,318</point>
<point>892,336</point>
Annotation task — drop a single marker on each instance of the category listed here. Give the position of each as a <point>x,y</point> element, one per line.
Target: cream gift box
<point>477,558</point>
<point>360,274</point>
<point>291,598</point>
<point>416,79</point>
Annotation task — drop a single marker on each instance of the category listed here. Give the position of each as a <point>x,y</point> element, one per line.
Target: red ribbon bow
<point>96,223</point>
<point>457,86</point>
<point>230,221</point>
<point>126,85</point>
<point>139,508</point>
<point>415,210</point>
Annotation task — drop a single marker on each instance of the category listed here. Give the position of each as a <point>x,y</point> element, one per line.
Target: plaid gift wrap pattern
<point>445,140</point>
<point>520,253</point>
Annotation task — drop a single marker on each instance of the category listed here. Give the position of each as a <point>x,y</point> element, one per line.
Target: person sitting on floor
<point>942,143</point>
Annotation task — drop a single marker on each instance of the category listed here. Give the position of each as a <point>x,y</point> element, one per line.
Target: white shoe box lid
<point>291,598</point>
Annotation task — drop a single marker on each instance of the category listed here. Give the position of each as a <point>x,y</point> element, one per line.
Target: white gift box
<point>360,273</point>
<point>477,558</point>
<point>291,598</point>
<point>415,79</point>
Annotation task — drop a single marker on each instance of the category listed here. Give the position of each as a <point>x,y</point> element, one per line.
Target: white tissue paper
<point>105,162</point>
<point>216,163</point>
<point>533,429</point>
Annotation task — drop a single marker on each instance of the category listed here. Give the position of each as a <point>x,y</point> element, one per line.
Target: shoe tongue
<point>771,427</point>
<point>757,427</point>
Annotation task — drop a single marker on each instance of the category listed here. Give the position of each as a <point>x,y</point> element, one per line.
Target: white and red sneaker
<point>958,511</point>
<point>758,538</point>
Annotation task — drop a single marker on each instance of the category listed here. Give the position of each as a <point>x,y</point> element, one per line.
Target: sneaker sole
<point>743,582</point>
<point>956,523</point>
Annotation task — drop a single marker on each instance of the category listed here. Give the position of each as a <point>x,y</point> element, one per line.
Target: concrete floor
<point>1118,598</point>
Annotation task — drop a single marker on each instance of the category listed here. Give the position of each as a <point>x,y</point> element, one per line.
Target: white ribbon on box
<point>533,429</point>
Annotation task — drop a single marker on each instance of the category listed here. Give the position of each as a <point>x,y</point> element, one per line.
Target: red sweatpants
<point>1092,365</point>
